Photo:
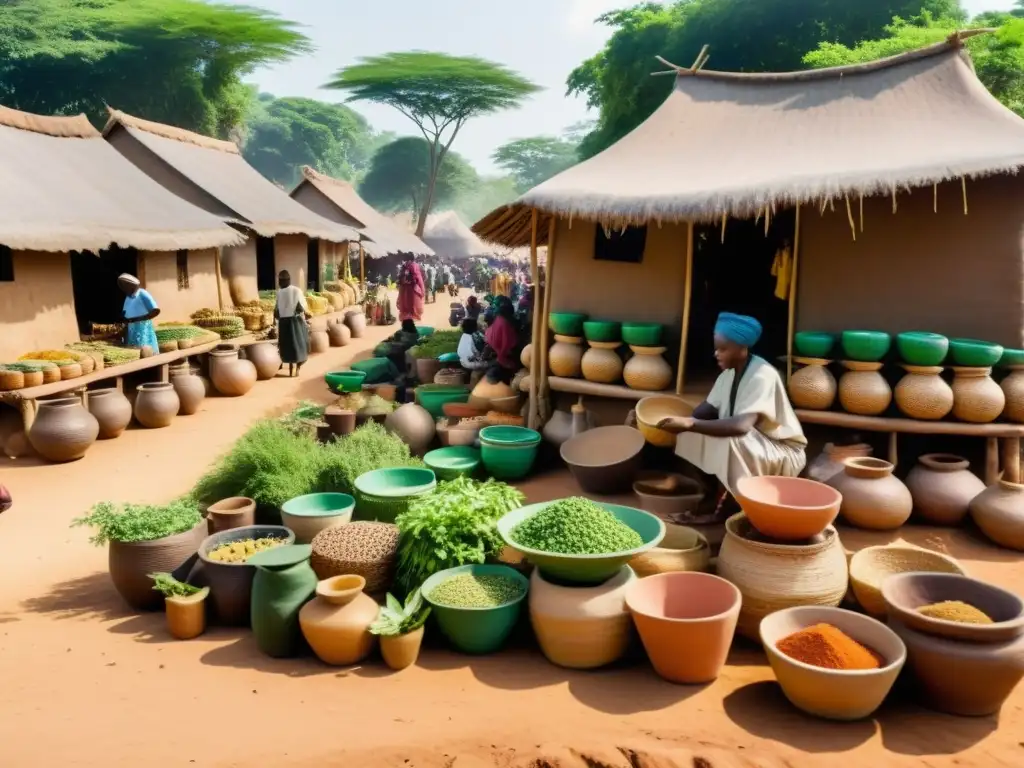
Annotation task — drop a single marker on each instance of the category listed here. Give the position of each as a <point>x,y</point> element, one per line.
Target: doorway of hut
<point>737,275</point>
<point>266,272</point>
<point>313,264</point>
<point>98,299</point>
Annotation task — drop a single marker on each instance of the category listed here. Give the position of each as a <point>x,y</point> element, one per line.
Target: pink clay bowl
<point>788,508</point>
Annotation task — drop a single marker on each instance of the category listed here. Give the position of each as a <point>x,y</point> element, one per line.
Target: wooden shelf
<point>909,426</point>
<point>612,391</point>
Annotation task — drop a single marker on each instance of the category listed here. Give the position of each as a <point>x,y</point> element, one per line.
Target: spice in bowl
<point>828,647</point>
<point>468,590</point>
<point>955,610</point>
<point>576,526</point>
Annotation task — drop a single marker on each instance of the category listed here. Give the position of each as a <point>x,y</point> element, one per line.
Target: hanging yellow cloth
<point>782,271</point>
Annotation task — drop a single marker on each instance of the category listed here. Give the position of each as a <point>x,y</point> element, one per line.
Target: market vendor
<point>139,311</point>
<point>746,427</point>
<point>502,339</point>
<point>411,292</point>
<point>292,316</point>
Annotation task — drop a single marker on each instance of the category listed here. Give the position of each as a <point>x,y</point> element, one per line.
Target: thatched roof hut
<point>449,236</point>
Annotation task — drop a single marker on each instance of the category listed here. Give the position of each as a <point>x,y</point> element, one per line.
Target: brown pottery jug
<point>943,488</point>
<point>112,410</point>
<point>156,405</point>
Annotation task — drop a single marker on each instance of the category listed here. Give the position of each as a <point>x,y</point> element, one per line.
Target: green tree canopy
<point>477,200</point>
<point>531,161</point>
<point>439,93</point>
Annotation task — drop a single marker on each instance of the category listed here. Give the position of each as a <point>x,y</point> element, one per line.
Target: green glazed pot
<point>1011,357</point>
<point>972,353</point>
<point>508,462</point>
<point>815,344</point>
<point>921,348</point>
<point>500,435</point>
<point>642,334</point>
<point>566,323</point>
<point>433,397</point>
<point>866,346</point>
<point>600,330</point>
<point>384,494</point>
<point>453,461</point>
<point>476,630</point>
<point>284,582</point>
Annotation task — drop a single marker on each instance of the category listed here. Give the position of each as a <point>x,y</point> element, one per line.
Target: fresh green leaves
<point>169,586</point>
<point>139,522</point>
<point>576,526</point>
<point>439,343</point>
<point>395,619</point>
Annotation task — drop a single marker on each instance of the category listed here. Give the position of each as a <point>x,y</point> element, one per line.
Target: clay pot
<point>156,405</point>
<point>1013,388</point>
<point>563,426</point>
<point>356,322</point>
<point>922,393</point>
<point>787,508</point>
<point>872,497</point>
<point>976,397</point>
<point>63,430</point>
<point>266,357</point>
<point>401,651</point>
<point>565,358</point>
<point>601,363</point>
<point>695,611</point>
<point>130,564</point>
<point>338,334</point>
<point>186,616</point>
<point>943,487</point>
<point>647,370</point>
<point>340,421</point>
<point>526,356</point>
<point>191,389</point>
<point>427,368</point>
<point>112,411</point>
<point>284,582</point>
<point>682,549</point>
<point>830,462</point>
<point>336,624</point>
<point>414,425</point>
<point>236,512</point>
<point>230,375</point>
<point>999,512</point>
<point>863,390</point>
<point>318,342</point>
<point>813,387</point>
<point>604,460</point>
<point>775,576</point>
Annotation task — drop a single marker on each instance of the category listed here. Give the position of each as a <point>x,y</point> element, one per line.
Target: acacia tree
<point>439,93</point>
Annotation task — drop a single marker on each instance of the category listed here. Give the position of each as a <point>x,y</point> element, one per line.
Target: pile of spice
<point>469,590</point>
<point>955,610</point>
<point>576,526</point>
<point>240,551</point>
<point>828,647</point>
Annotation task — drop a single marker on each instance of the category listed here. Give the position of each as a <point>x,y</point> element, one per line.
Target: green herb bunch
<point>139,522</point>
<point>437,344</point>
<point>395,619</point>
<point>369,447</point>
<point>454,525</point>
<point>576,526</point>
<point>168,586</point>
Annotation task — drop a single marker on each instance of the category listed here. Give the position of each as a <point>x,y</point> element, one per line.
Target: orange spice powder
<point>829,647</point>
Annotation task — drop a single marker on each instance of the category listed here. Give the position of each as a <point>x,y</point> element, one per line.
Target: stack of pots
<point>862,389</point>
<point>976,396</point>
<point>812,386</point>
<point>601,362</point>
<point>922,393</point>
<point>647,370</point>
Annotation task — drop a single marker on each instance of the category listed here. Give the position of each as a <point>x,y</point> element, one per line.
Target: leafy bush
<point>139,522</point>
<point>440,343</point>
<point>369,447</point>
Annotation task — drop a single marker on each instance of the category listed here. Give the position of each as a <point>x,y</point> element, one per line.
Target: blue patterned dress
<point>141,333</point>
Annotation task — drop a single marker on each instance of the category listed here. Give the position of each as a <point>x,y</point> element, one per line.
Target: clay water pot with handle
<point>999,512</point>
<point>943,486</point>
<point>266,357</point>
<point>812,386</point>
<point>111,409</point>
<point>230,375</point>
<point>191,389</point>
<point>336,623</point>
<point>976,397</point>
<point>923,394</point>
<point>63,429</point>
<point>647,370</point>
<point>872,497</point>
<point>355,319</point>
<point>156,405</point>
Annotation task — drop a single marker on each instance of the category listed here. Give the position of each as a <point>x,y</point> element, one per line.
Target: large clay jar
<point>1013,388</point>
<point>813,387</point>
<point>414,425</point>
<point>356,321</point>
<point>337,623</point>
<point>565,358</point>
<point>774,576</point>
<point>318,342</point>
<point>265,357</point>
<point>943,487</point>
<point>582,627</point>
<point>156,405</point>
<point>863,390</point>
<point>872,497</point>
<point>562,426</point>
<point>63,430</point>
<point>999,512</point>
<point>601,363</point>
<point>647,370</point>
<point>284,582</point>
<point>338,334</point>
<point>131,563</point>
<point>231,376</point>
<point>922,393</point>
<point>112,410</point>
<point>191,389</point>
<point>976,397</point>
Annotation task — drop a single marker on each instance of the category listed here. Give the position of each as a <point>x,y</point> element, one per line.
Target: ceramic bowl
<point>566,323</point>
<point>682,549</point>
<point>453,462</point>
<point>669,495</point>
<point>506,404</point>
<point>972,353</point>
<point>815,344</point>
<point>1011,357</point>
<point>835,694</point>
<point>642,334</point>
<point>920,348</point>
<point>872,566</point>
<point>308,515</point>
<point>508,461</point>
<point>651,410</point>
<point>433,397</point>
<point>866,346</point>
<point>602,331</point>
<point>345,381</point>
<point>604,460</point>
<point>476,630</point>
<point>383,494</point>
<point>788,508</point>
<point>506,436</point>
<point>905,593</point>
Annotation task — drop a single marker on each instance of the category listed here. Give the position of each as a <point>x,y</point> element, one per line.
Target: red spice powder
<point>830,648</point>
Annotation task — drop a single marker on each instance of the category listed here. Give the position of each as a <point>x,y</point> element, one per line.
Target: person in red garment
<point>411,292</point>
<point>503,339</point>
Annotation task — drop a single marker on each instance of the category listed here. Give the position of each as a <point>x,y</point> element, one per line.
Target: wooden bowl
<point>872,566</point>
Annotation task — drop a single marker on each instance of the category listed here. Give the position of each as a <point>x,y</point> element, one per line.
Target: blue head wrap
<point>741,329</point>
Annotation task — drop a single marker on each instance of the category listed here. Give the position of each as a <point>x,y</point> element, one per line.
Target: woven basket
<point>87,362</point>
<point>252,321</point>
<point>51,375</point>
<point>872,565</point>
<point>11,380</point>
<point>377,567</point>
<point>168,346</point>
<point>451,378</point>
<point>34,379</point>
<point>72,371</point>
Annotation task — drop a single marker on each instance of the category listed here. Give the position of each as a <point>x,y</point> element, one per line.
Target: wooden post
<point>991,460</point>
<point>540,356</point>
<point>535,335</point>
<point>220,290</point>
<point>687,296</point>
<point>1011,459</point>
<point>794,272</point>
<point>362,269</point>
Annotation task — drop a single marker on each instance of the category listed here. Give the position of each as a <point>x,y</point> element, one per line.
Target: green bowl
<point>642,334</point>
<point>1011,357</point>
<point>509,462</point>
<point>972,353</point>
<point>866,346</point>
<point>452,462</point>
<point>384,494</point>
<point>506,436</point>
<point>476,630</point>
<point>424,331</point>
<point>816,344</point>
<point>601,330</point>
<point>433,397</point>
<point>585,569</point>
<point>921,348</point>
<point>566,323</point>
<point>449,357</point>
<point>345,381</point>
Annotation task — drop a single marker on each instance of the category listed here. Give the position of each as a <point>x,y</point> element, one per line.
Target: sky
<point>542,39</point>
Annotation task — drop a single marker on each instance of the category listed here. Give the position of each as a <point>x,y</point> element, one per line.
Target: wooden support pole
<point>1011,459</point>
<point>362,269</point>
<point>220,289</point>
<point>541,360</point>
<point>535,336</point>
<point>687,297</point>
<point>991,460</point>
<point>793,275</point>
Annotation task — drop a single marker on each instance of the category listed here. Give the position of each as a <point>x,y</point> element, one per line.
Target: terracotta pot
<point>787,508</point>
<point>565,358</point>
<point>604,460</point>
<point>776,576</point>
<point>356,322</point>
<point>131,563</point>
<point>695,611</point>
<point>337,622</point>
<point>829,462</point>
<point>601,363</point>
<point>813,387</point>
<point>186,616</point>
<point>156,405</point>
<point>526,356</point>
<point>230,375</point>
<point>236,512</point>
<point>414,425</point>
<point>863,390</point>
<point>943,487</point>
<point>283,583</point>
<point>338,334</point>
<point>340,421</point>
<point>191,389</point>
<point>401,651</point>
<point>922,393</point>
<point>427,368</point>
<point>318,342</point>
<point>112,410</point>
<point>999,512</point>
<point>682,549</point>
<point>265,357</point>
<point>581,627</point>
<point>872,497</point>
<point>1013,388</point>
<point>976,397</point>
<point>63,429</point>
<point>647,370</point>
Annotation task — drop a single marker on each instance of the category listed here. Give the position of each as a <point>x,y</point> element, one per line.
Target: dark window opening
<point>266,277</point>
<point>98,299</point>
<point>6,265</point>
<point>182,260</point>
<point>313,264</point>
<point>622,245</point>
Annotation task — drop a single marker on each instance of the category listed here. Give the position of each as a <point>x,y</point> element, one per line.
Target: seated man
<point>746,427</point>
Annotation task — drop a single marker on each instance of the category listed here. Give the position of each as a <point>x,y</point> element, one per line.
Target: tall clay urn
<point>872,497</point>
<point>999,512</point>
<point>283,583</point>
<point>813,386</point>
<point>63,429</point>
<point>565,358</point>
<point>647,370</point>
<point>111,409</point>
<point>1013,388</point>
<point>318,342</point>
<point>231,376</point>
<point>156,405</point>
<point>923,394</point>
<point>355,319</point>
<point>863,390</point>
<point>338,334</point>
<point>265,357</point>
<point>191,389</point>
<point>943,487</point>
<point>336,624</point>
<point>976,397</point>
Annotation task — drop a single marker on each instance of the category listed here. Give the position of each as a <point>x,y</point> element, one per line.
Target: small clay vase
<point>976,397</point>
<point>284,582</point>
<point>943,488</point>
<point>318,342</point>
<point>414,425</point>
<point>647,370</point>
<point>999,512</point>
<point>230,375</point>
<point>813,386</point>
<point>601,363</point>
<point>186,616</point>
<point>336,624</point>
<point>156,405</point>
<point>401,651</point>
<point>111,409</point>
<point>872,497</point>
<point>565,358</point>
<point>266,357</point>
<point>355,319</point>
<point>863,390</point>
<point>236,512</point>
<point>923,394</point>
<point>338,334</point>
<point>342,422</point>
<point>63,429</point>
<point>562,426</point>
<point>191,389</point>
<point>1013,388</point>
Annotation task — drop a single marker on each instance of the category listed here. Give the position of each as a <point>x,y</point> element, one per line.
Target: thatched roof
<point>63,188</point>
<point>449,236</point>
<point>218,168</point>
<point>730,143</point>
<point>385,237</point>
